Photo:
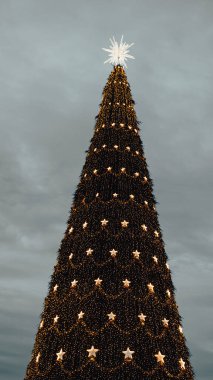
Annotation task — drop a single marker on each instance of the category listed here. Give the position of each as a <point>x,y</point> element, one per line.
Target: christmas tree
<point>110,312</point>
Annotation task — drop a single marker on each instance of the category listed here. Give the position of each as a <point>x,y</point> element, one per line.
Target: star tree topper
<point>118,54</point>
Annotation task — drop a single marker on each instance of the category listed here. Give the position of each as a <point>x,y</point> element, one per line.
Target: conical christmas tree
<point>110,312</point>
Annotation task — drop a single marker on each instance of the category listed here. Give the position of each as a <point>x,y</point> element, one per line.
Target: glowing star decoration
<point>41,324</point>
<point>56,319</point>
<point>60,354</point>
<point>92,352</point>
<point>182,363</point>
<point>156,233</point>
<point>160,357</point>
<point>38,357</point>
<point>168,293</point>
<point>124,223</point>
<point>115,195</point>
<point>70,256</point>
<point>85,225</point>
<point>80,315</point>
<point>113,252</point>
<point>98,281</point>
<point>142,318</point>
<point>144,227</point>
<point>165,322</point>
<point>118,54</point>
<point>150,287</point>
<point>128,354</point>
<point>131,196</point>
<point>74,283</point>
<point>180,328</point>
<point>104,222</point>
<point>71,230</point>
<point>136,254</point>
<point>111,316</point>
<point>155,259</point>
<point>89,251</point>
<point>126,283</point>
<point>55,288</point>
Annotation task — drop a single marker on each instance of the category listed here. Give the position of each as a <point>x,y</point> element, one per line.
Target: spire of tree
<point>110,312</point>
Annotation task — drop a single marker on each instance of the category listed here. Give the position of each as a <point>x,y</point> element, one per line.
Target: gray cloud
<point>52,76</point>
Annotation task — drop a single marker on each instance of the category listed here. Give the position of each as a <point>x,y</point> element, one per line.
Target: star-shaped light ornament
<point>165,322</point>
<point>155,259</point>
<point>113,252</point>
<point>38,357</point>
<point>104,222</point>
<point>71,230</point>
<point>74,283</point>
<point>136,254</point>
<point>180,328</point>
<point>70,256</point>
<point>124,223</point>
<point>126,283</point>
<point>160,357</point>
<point>55,288</point>
<point>142,318</point>
<point>128,354</point>
<point>182,363</point>
<point>80,315</point>
<point>92,352</point>
<point>98,281</point>
<point>60,355</point>
<point>89,251</point>
<point>41,324</point>
<point>111,316</point>
<point>56,319</point>
<point>85,225</point>
<point>115,195</point>
<point>144,227</point>
<point>118,53</point>
<point>151,287</point>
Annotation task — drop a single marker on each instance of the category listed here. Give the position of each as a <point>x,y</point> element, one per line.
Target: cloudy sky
<point>52,75</point>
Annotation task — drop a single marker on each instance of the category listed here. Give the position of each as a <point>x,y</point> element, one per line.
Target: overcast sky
<point>51,79</point>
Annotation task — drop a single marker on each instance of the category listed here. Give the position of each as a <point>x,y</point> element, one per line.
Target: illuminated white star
<point>111,316</point>
<point>55,288</point>
<point>142,318</point>
<point>126,283</point>
<point>155,259</point>
<point>136,254</point>
<point>74,283</point>
<point>56,319</point>
<point>160,357</point>
<point>165,322</point>
<point>118,54</point>
<point>124,223</point>
<point>41,324</point>
<point>38,357</point>
<point>104,222</point>
<point>71,230</point>
<point>151,287</point>
<point>92,351</point>
<point>128,354</point>
<point>80,315</point>
<point>85,225</point>
<point>98,281</point>
<point>144,227</point>
<point>113,252</point>
<point>70,256</point>
<point>182,363</point>
<point>89,251</point>
<point>60,354</point>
